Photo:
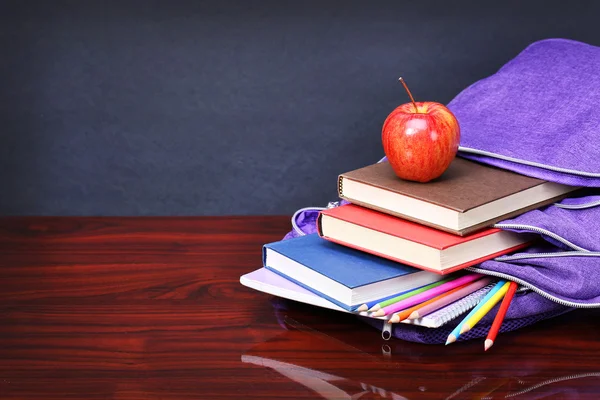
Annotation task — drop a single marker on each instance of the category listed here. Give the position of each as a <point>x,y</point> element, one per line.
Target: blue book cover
<point>343,275</point>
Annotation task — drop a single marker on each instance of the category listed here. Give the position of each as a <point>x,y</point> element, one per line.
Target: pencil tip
<point>488,343</point>
<point>362,308</point>
<point>451,339</point>
<point>394,319</point>
<point>414,315</point>
<point>379,313</point>
<point>376,307</point>
<point>465,328</point>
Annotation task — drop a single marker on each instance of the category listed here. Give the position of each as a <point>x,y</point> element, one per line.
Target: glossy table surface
<point>152,308</point>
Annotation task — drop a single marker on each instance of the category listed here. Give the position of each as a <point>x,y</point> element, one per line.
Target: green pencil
<point>396,299</point>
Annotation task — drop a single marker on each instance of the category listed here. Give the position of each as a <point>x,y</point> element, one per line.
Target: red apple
<point>420,140</point>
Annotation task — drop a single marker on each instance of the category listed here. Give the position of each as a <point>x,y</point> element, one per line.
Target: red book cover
<point>402,228</point>
<point>407,230</point>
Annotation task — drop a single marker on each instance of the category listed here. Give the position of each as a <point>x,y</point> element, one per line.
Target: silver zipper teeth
<point>528,255</point>
<point>578,206</point>
<point>541,231</point>
<point>551,381</point>
<point>525,256</point>
<point>533,288</point>
<point>531,163</point>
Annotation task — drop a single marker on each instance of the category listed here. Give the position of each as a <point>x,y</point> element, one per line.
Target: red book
<point>414,244</point>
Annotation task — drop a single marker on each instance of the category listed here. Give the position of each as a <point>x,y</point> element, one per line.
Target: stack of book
<point>398,250</point>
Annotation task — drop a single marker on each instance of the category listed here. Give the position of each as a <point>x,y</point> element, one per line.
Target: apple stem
<point>409,93</point>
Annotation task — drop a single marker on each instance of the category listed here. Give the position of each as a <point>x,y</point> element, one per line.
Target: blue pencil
<point>456,332</point>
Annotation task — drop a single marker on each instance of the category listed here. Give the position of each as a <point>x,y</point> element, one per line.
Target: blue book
<point>342,275</point>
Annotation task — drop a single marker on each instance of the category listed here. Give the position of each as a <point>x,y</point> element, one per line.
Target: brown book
<point>469,196</point>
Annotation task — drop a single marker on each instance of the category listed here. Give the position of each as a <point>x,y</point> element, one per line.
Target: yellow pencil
<point>471,322</point>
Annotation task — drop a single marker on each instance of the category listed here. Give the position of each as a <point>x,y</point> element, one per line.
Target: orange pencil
<point>404,314</point>
<point>489,341</point>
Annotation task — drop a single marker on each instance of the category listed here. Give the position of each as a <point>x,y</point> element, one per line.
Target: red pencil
<point>489,341</point>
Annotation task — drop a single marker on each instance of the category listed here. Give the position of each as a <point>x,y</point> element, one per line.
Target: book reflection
<point>335,363</point>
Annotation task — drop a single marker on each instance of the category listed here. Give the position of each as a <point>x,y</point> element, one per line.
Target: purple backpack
<point>538,116</point>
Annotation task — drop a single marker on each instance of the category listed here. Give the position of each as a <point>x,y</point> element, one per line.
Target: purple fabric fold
<point>541,108</point>
<point>572,229</point>
<point>554,267</point>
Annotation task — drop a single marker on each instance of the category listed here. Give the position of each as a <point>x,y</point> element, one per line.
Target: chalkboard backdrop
<point>230,107</point>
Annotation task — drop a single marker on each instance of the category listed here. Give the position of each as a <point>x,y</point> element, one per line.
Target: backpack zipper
<point>530,163</point>
<point>578,206</point>
<point>541,231</point>
<point>527,285</point>
<point>524,256</point>
<point>532,288</point>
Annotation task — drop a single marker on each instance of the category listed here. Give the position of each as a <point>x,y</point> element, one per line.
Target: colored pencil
<point>491,337</point>
<point>380,304</point>
<point>402,315</point>
<point>428,307</point>
<point>426,295</point>
<point>492,301</point>
<point>377,303</point>
<point>453,337</point>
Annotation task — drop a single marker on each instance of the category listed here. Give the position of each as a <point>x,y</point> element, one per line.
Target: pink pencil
<point>431,293</point>
<point>451,298</point>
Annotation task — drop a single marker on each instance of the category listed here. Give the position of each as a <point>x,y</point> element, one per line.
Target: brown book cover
<point>464,186</point>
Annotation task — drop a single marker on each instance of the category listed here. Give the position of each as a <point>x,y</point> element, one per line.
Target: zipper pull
<point>386,331</point>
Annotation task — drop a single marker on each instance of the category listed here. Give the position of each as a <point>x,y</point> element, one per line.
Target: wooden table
<point>152,308</point>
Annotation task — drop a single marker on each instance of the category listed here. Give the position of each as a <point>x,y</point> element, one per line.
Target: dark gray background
<point>230,107</point>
